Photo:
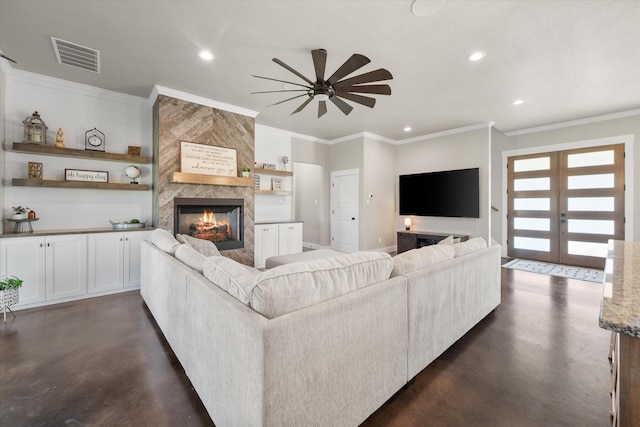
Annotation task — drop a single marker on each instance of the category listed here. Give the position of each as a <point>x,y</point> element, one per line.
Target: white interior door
<point>345,210</point>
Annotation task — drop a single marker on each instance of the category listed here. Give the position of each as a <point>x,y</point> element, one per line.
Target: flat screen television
<point>453,193</point>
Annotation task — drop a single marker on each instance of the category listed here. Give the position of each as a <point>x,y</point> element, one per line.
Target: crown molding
<point>577,122</point>
<point>161,90</point>
<point>448,132</point>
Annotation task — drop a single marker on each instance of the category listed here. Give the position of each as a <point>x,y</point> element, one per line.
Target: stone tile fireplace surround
<point>177,120</point>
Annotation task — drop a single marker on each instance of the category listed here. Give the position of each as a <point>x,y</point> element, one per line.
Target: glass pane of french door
<point>565,205</point>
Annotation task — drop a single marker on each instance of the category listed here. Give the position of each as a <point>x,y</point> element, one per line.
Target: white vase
<point>245,174</point>
<point>19,216</point>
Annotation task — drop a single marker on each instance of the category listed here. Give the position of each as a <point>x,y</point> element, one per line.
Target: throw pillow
<point>417,259</point>
<point>294,286</point>
<point>205,247</point>
<point>471,245</point>
<point>230,275</point>
<point>446,241</point>
<point>164,240</point>
<point>190,257</point>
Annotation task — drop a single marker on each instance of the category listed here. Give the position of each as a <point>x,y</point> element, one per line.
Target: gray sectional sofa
<point>315,343</point>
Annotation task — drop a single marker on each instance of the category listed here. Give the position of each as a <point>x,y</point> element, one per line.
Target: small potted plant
<point>19,212</point>
<point>246,171</point>
<point>9,293</point>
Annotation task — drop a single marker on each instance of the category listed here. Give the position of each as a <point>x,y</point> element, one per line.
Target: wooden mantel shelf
<point>49,150</point>
<point>194,178</point>
<point>24,182</point>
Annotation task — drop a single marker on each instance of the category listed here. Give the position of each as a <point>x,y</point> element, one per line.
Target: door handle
<point>563,221</point>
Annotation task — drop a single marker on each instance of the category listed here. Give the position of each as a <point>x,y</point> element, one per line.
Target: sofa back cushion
<point>471,245</point>
<point>291,287</point>
<point>230,275</point>
<point>416,259</point>
<point>164,240</point>
<point>190,257</point>
<point>205,247</point>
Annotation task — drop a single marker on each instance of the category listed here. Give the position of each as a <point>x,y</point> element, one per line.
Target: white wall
<point>270,145</point>
<point>469,149</point>
<point>125,120</point>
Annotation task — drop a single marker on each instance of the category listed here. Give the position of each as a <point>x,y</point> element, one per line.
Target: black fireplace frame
<point>213,201</point>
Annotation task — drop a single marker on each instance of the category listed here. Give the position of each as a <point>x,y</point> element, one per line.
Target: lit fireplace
<point>216,220</point>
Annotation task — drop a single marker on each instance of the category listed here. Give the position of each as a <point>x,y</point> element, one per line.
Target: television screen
<point>454,193</point>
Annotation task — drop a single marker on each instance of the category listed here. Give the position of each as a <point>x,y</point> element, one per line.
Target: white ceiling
<point>566,59</point>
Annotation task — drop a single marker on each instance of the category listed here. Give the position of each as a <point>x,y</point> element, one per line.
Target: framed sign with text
<point>208,159</point>
<point>86,176</point>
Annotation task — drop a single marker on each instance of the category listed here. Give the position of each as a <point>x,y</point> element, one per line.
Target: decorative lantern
<point>35,131</point>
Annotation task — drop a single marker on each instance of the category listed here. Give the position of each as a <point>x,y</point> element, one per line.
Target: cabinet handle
<point>40,244</point>
<point>126,239</point>
<point>48,244</point>
<point>121,239</point>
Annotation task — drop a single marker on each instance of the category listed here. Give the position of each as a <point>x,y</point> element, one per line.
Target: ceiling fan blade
<point>377,89</point>
<point>352,64</point>
<point>282,64</point>
<point>304,104</point>
<point>7,58</point>
<point>288,99</point>
<point>319,62</point>
<point>322,108</point>
<point>343,106</point>
<point>371,76</point>
<point>281,81</point>
<point>276,91</point>
<point>364,100</point>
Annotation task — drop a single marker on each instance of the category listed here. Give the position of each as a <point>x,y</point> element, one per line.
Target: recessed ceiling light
<point>205,55</point>
<point>518,102</point>
<point>476,56</point>
<point>407,129</point>
<point>426,7</point>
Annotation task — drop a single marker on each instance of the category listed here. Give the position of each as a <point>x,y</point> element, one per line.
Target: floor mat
<point>578,273</point>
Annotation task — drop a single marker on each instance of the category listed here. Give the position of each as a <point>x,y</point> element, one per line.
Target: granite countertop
<point>620,309</point>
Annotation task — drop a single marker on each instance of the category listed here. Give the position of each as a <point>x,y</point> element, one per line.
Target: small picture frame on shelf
<point>86,175</point>
<point>256,182</point>
<point>35,170</point>
<point>277,184</point>
<point>269,166</point>
<point>134,150</point>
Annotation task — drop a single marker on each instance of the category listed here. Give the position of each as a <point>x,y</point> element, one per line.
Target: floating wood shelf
<point>24,182</point>
<point>274,172</point>
<point>274,193</point>
<point>194,178</point>
<point>49,150</point>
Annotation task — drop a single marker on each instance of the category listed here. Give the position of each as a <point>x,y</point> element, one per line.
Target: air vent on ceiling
<point>76,55</point>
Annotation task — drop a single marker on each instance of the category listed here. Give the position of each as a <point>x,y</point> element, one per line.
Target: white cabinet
<point>114,260</point>
<point>276,239</point>
<point>24,258</point>
<point>52,267</point>
<point>266,243</point>
<point>65,266</point>
<point>289,238</point>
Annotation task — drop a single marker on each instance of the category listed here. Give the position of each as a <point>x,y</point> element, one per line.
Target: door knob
<point>353,218</point>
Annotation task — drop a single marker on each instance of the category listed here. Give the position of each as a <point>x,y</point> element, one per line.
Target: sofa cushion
<point>190,257</point>
<point>416,259</point>
<point>446,241</point>
<point>230,275</point>
<point>471,245</point>
<point>205,247</point>
<point>164,240</point>
<point>291,287</point>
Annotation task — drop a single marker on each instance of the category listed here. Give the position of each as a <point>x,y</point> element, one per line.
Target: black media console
<point>408,240</point>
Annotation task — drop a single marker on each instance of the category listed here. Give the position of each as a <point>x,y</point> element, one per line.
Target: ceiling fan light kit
<point>334,88</point>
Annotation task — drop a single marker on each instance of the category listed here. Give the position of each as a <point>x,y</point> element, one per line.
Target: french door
<point>563,206</point>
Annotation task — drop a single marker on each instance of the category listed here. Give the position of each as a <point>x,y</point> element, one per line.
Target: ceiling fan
<point>334,88</point>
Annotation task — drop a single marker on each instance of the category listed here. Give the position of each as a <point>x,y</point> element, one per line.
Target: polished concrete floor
<point>539,359</point>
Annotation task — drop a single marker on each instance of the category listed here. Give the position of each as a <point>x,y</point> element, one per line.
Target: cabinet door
<point>66,266</point>
<point>266,243</point>
<point>289,238</point>
<point>24,257</point>
<point>105,263</point>
<point>132,248</point>
<point>406,242</point>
